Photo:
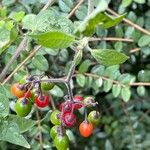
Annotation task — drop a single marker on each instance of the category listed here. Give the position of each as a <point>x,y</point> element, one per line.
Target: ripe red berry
<point>69,120</point>
<point>42,101</point>
<point>86,129</point>
<point>66,107</point>
<point>78,98</point>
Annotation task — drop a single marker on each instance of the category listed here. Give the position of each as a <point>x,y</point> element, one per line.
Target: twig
<point>21,64</point>
<point>140,84</point>
<point>52,102</point>
<point>21,47</point>
<point>134,50</point>
<point>130,22</point>
<point>143,116</point>
<point>49,3</point>
<point>39,128</point>
<point>111,39</point>
<point>90,6</point>
<point>75,8</point>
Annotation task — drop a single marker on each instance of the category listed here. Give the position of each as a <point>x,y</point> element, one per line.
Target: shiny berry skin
<point>23,107</point>
<point>17,91</point>
<point>55,117</point>
<point>86,129</point>
<point>78,98</point>
<point>66,107</point>
<point>88,100</point>
<point>61,142</point>
<point>55,130</point>
<point>94,117</point>
<point>69,120</point>
<point>46,86</point>
<point>42,101</point>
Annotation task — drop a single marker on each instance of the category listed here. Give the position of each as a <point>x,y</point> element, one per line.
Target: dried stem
<point>130,22</point>
<point>134,50</point>
<point>49,3</point>
<point>52,102</point>
<point>111,39</point>
<point>40,129</point>
<point>75,8</point>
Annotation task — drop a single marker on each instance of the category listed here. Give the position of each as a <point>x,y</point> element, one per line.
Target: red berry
<point>86,129</point>
<point>42,101</point>
<point>66,107</point>
<point>79,99</point>
<point>69,120</point>
<point>27,94</point>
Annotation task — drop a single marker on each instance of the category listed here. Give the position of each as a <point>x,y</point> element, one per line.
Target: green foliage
<point>108,57</point>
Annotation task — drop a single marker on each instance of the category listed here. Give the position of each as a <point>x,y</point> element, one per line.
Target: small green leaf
<point>116,89</point>
<point>9,131</point>
<point>85,66</point>
<point>99,82</point>
<point>108,57</point>
<point>81,79</point>
<point>23,123</point>
<point>57,91</point>
<point>17,16</point>
<point>126,93</point>
<point>107,85</point>
<point>144,76</point>
<point>108,145</point>
<point>126,3</point>
<point>144,40</point>
<point>140,1</point>
<point>40,62</point>
<point>141,90</point>
<point>4,105</point>
<point>54,39</point>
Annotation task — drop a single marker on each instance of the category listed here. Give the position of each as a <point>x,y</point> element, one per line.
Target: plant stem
<point>40,129</point>
<point>130,22</point>
<point>90,6</point>
<point>75,8</point>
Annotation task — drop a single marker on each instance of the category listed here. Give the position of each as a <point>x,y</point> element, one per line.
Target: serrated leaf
<point>107,85</point>
<point>54,39</point>
<point>79,57</point>
<point>116,89</point>
<point>40,62</point>
<point>126,93</point>
<point>81,79</point>
<point>84,66</point>
<point>4,105</point>
<point>23,123</point>
<point>141,90</point>
<point>9,131</point>
<point>108,57</point>
<point>144,40</point>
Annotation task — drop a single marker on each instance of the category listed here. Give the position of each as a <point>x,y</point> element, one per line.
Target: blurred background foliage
<point>125,110</point>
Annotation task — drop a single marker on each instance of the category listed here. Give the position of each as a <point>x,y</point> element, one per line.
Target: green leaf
<point>126,93</point>
<point>9,131</point>
<point>81,80</point>
<point>144,40</point>
<point>57,91</point>
<point>54,39</point>
<point>17,16</point>
<point>4,105</point>
<point>23,123</point>
<point>40,62</point>
<point>108,145</point>
<point>126,3</point>
<point>84,66</point>
<point>28,22</point>
<point>107,85</point>
<point>140,1</point>
<point>141,90</point>
<point>108,57</point>
<point>99,82</point>
<point>89,24</point>
<point>144,76</point>
<point>116,89</point>
<point>65,5</point>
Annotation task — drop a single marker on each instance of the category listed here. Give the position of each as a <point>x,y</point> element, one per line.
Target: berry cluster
<point>31,91</point>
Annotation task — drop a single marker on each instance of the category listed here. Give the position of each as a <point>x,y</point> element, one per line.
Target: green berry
<point>55,117</point>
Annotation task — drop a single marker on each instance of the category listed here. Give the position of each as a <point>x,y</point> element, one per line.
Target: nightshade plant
<point>32,92</point>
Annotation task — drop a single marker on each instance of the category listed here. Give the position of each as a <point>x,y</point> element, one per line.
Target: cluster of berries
<point>31,91</point>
